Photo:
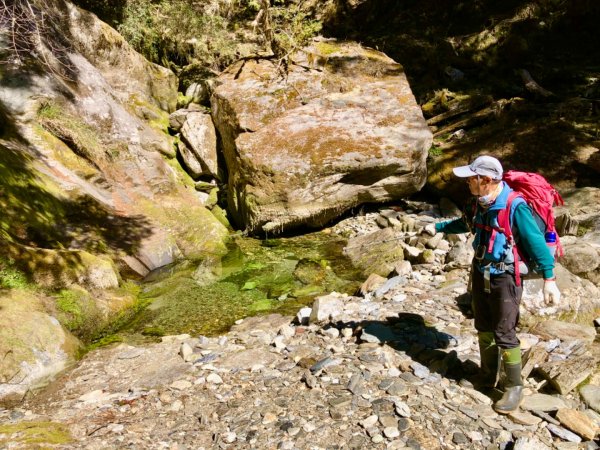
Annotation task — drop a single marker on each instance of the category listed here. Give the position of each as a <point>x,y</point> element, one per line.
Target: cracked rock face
<point>340,129</point>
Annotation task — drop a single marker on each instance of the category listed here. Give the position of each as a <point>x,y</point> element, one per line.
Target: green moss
<point>183,100</point>
<point>32,206</point>
<point>103,342</point>
<point>196,230</point>
<point>182,176</point>
<point>435,150</point>
<point>327,48</point>
<point>153,331</point>
<point>11,277</point>
<point>75,133</point>
<point>29,433</point>
<point>69,303</point>
<point>129,288</point>
<point>155,117</point>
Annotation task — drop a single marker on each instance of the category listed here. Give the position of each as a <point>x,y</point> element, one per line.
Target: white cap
<point>486,166</point>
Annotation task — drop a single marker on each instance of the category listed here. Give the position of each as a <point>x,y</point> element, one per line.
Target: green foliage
<point>210,34</point>
<point>76,134</point>
<point>179,32</point>
<point>435,150</point>
<point>183,100</point>
<point>11,277</point>
<point>293,27</point>
<point>49,111</point>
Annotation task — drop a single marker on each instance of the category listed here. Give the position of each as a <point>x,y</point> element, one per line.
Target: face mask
<point>487,200</point>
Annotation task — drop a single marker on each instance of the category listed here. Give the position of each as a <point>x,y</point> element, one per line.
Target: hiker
<point>496,290</point>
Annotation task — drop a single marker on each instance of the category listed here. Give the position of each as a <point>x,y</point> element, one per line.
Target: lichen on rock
<point>302,150</point>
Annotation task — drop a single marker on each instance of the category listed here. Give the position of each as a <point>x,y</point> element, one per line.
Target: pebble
<point>214,378</point>
<point>181,385</point>
<point>391,432</point>
<point>377,439</point>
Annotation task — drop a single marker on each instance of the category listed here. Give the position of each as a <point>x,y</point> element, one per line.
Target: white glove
<point>429,229</point>
<point>551,292</point>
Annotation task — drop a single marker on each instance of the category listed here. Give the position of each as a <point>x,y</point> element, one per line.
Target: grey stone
<point>563,433</point>
<point>529,443</point>
<point>542,402</point>
<point>591,395</point>
<point>326,308</point>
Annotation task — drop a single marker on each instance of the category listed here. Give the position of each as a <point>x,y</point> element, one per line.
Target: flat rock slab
<point>565,331</point>
<point>271,323</point>
<point>542,402</point>
<point>524,418</point>
<point>246,359</point>
<point>578,422</point>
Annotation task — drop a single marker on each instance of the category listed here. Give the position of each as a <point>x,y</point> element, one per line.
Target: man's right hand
<point>551,292</point>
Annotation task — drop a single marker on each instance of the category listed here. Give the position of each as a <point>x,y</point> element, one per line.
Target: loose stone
<point>391,432</point>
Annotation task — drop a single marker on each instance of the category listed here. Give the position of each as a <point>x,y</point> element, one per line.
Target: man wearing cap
<point>496,296</point>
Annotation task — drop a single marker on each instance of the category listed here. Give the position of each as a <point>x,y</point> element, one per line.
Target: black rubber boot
<point>513,393</point>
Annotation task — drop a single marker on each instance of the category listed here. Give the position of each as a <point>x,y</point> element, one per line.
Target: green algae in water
<point>51,433</point>
<point>254,277</point>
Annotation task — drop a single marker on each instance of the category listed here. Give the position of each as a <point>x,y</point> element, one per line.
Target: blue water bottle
<point>551,242</point>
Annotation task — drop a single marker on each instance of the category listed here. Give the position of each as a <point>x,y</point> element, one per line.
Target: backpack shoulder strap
<point>505,215</point>
<point>505,223</point>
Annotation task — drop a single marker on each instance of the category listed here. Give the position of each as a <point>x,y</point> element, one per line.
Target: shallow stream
<point>254,277</point>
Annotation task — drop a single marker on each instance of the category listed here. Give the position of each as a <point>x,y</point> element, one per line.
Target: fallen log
<point>460,107</point>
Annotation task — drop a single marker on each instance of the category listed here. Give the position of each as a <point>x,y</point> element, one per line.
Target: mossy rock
<point>56,269</point>
<point>309,271</point>
<point>376,252</point>
<point>35,345</point>
<point>196,231</point>
<point>35,434</point>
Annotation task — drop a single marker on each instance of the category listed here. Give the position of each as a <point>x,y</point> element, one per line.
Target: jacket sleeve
<point>455,226</point>
<point>531,240</point>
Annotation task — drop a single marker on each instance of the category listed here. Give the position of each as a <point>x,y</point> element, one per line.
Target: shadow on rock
<point>409,333</point>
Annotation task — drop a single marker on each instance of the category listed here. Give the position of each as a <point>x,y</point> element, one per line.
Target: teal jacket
<point>525,232</point>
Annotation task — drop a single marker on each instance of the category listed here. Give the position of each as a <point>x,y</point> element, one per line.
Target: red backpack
<point>541,197</point>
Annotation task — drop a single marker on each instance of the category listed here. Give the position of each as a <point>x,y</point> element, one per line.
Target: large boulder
<point>340,128</point>
<point>198,132</point>
<point>580,258</point>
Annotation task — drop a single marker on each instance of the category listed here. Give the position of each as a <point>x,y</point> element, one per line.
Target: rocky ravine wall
<point>90,191</point>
